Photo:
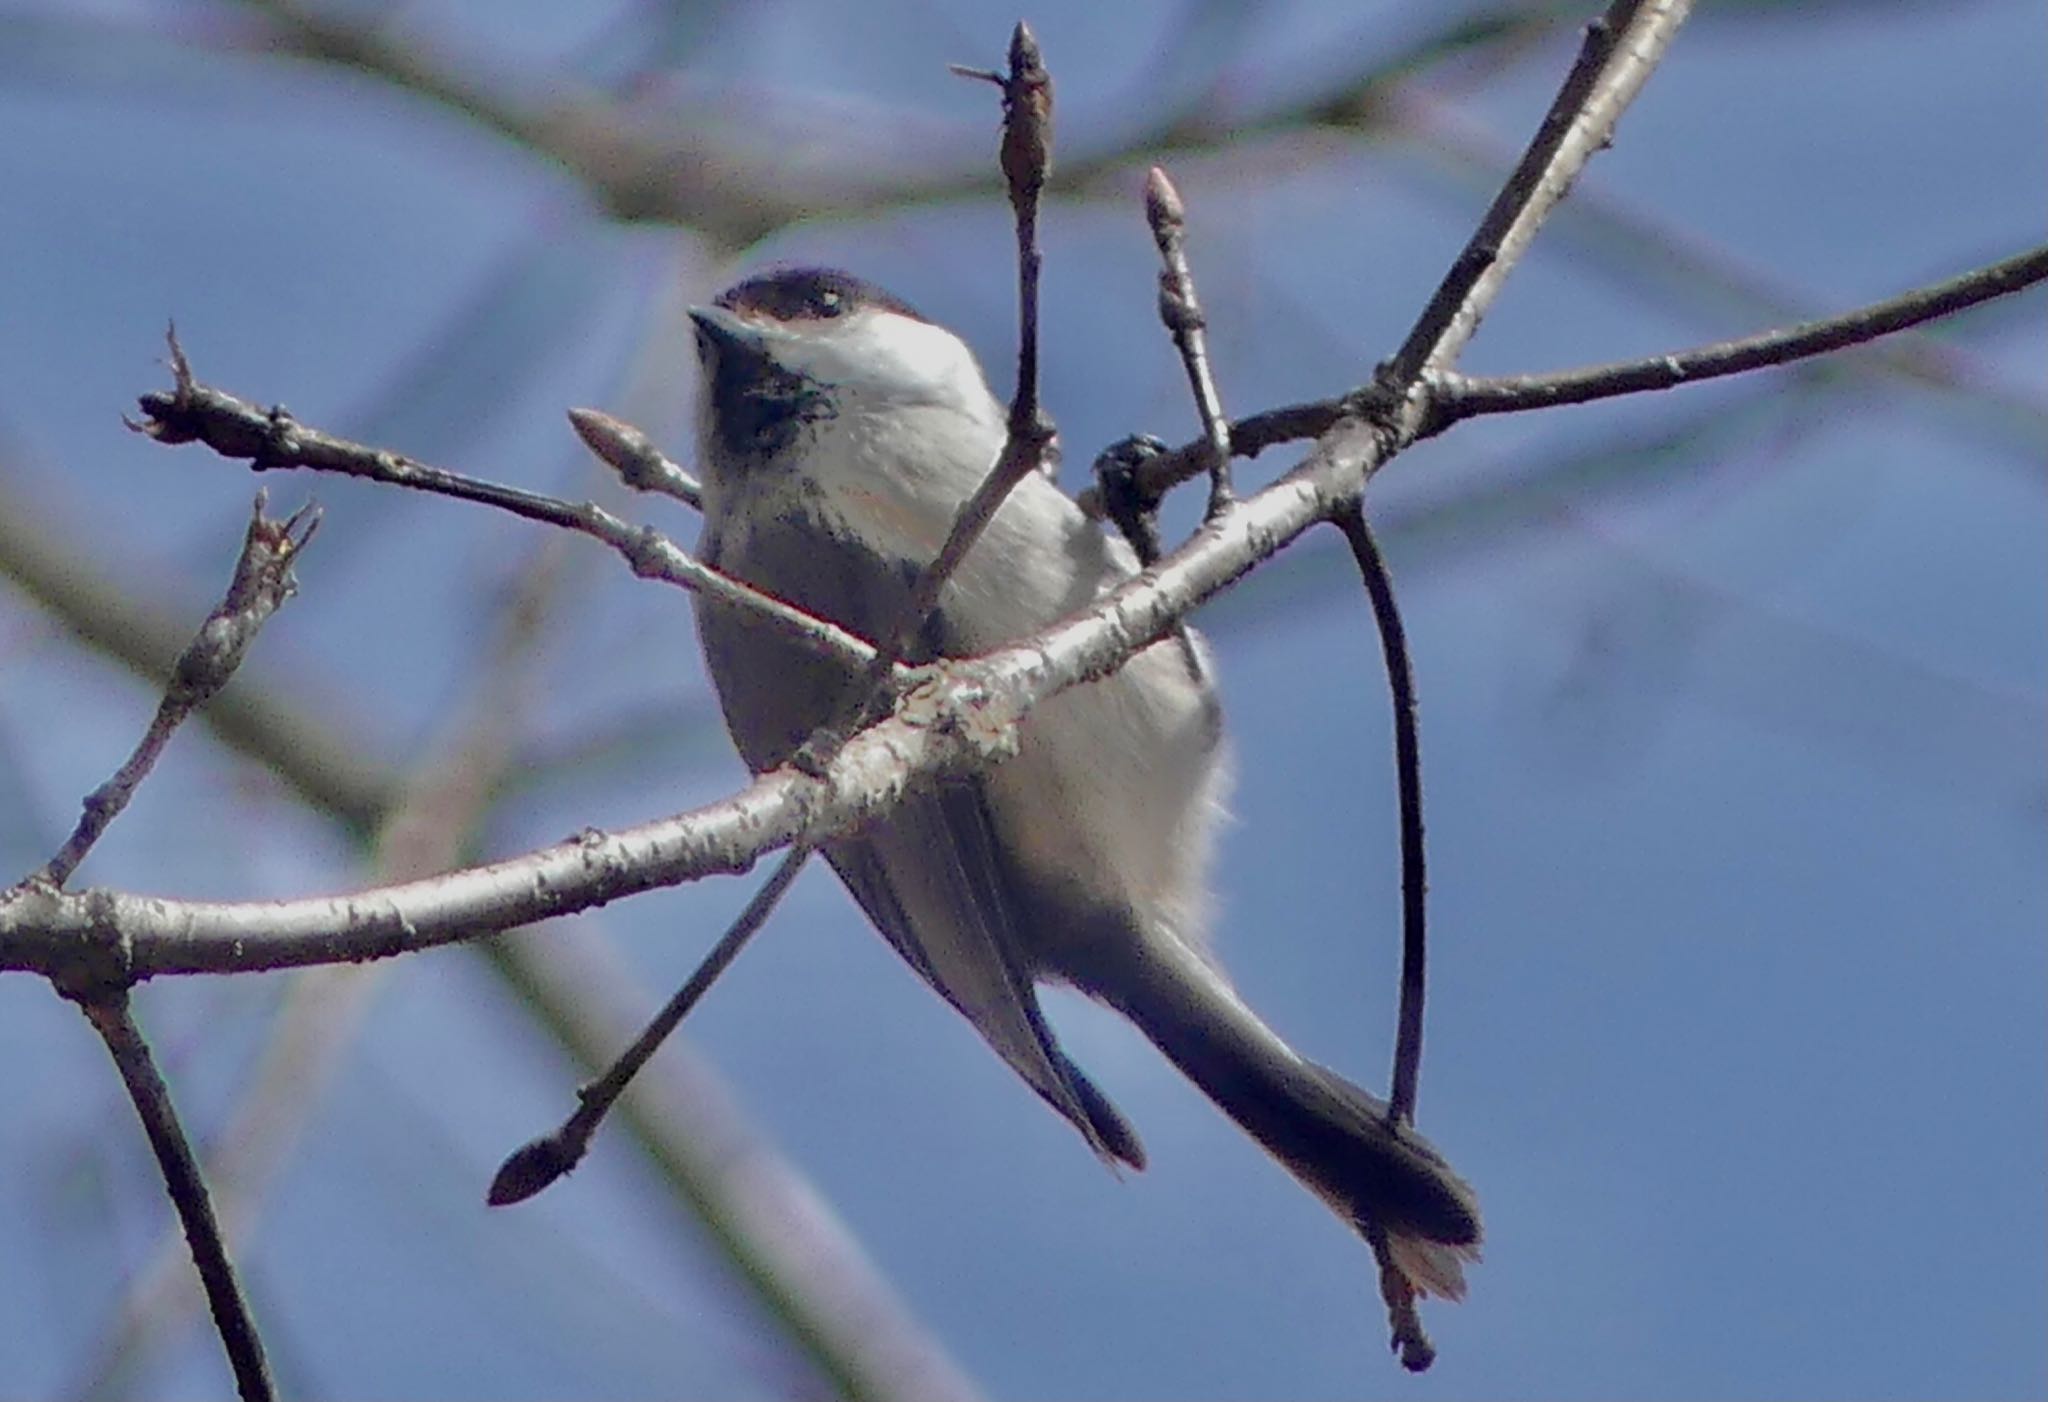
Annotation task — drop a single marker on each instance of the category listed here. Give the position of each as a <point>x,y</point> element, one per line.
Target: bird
<point>838,434</point>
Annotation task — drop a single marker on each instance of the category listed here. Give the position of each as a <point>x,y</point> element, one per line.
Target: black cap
<point>809,294</point>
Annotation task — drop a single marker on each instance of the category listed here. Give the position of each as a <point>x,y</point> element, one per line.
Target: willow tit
<point>839,432</point>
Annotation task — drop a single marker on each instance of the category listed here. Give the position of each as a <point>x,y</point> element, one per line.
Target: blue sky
<point>1732,711</point>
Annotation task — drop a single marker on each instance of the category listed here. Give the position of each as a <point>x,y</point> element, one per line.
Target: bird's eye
<point>830,303</point>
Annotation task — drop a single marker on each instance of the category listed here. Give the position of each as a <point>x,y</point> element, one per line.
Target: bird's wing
<point>932,879</point>
<point>932,875</point>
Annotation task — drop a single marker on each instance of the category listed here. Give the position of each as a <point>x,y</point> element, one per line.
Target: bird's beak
<point>720,332</point>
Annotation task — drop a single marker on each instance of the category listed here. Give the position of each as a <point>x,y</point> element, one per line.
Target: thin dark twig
<point>1181,310</point>
<point>632,454</point>
<point>1619,52</point>
<point>262,581</point>
<point>541,1161</point>
<point>1455,397</point>
<point>272,438</point>
<point>1459,397</point>
<point>1026,161</point>
<point>108,1011</point>
<point>1379,586</point>
<point>437,817</point>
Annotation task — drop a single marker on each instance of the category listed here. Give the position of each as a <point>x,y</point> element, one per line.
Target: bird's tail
<point>1333,1136</point>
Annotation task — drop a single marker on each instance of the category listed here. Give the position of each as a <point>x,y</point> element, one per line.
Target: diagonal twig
<point>1461,397</point>
<point>1620,51</point>
<point>1454,396</point>
<point>1379,587</point>
<point>804,1270</point>
<point>427,831</point>
<point>1027,162</point>
<point>540,1161</point>
<point>107,1009</point>
<point>262,581</point>
<point>269,439</point>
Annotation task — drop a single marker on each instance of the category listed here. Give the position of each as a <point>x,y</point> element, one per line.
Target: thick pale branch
<point>964,717</point>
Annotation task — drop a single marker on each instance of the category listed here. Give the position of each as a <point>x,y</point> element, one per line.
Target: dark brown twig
<point>1458,397</point>
<point>632,454</point>
<point>1026,162</point>
<point>539,1162</point>
<point>262,581</point>
<point>1619,52</point>
<point>1455,397</point>
<point>234,428</point>
<point>109,1013</point>
<point>1120,496</point>
<point>1379,587</point>
<point>436,820</point>
<point>1181,310</point>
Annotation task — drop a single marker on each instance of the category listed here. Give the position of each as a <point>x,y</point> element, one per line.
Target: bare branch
<point>648,164</point>
<point>1379,587</point>
<point>541,1161</point>
<point>1661,260</point>
<point>964,716</point>
<point>235,428</point>
<point>1620,50</point>
<point>1459,397</point>
<point>426,832</point>
<point>1619,53</point>
<point>109,1013</point>
<point>262,581</point>
<point>1026,162</point>
<point>796,1257</point>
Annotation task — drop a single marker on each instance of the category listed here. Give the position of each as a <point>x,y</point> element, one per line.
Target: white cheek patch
<point>892,359</point>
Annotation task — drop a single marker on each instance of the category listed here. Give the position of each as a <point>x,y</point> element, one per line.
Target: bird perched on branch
<point>839,434</point>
